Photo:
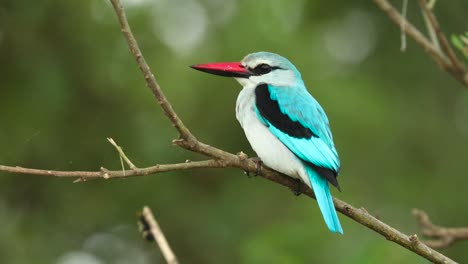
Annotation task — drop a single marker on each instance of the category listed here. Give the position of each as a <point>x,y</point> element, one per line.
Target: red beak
<point>227,69</point>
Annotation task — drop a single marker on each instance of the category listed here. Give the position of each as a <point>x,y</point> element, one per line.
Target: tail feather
<point>325,201</point>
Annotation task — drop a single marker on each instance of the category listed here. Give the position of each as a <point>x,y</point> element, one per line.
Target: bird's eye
<point>262,69</point>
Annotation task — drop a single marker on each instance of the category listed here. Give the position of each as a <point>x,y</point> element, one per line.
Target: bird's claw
<point>258,167</point>
<point>297,191</point>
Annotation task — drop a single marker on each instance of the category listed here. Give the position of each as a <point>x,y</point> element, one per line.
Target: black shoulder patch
<point>269,109</point>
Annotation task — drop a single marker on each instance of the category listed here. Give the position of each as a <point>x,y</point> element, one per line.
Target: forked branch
<point>439,236</point>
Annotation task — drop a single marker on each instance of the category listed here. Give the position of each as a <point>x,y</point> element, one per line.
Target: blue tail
<point>325,201</point>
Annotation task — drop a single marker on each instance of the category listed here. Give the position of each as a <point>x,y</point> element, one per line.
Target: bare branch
<point>148,75</point>
<point>158,235</point>
<point>108,174</point>
<point>440,237</point>
<point>450,64</point>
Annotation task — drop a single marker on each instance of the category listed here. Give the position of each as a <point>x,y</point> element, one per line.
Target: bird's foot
<point>297,190</point>
<point>258,168</point>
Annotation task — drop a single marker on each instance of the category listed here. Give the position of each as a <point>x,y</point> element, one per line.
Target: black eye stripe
<point>262,68</point>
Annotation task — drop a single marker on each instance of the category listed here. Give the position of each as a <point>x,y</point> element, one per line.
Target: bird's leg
<point>297,191</point>
<point>258,168</point>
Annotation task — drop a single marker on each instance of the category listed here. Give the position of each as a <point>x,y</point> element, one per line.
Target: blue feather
<point>325,201</point>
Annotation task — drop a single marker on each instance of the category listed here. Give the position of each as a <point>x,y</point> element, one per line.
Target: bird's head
<point>257,68</point>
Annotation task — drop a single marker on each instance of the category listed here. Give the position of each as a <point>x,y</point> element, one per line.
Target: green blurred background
<point>68,81</point>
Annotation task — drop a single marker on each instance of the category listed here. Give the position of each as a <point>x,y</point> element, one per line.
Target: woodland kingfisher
<point>284,124</point>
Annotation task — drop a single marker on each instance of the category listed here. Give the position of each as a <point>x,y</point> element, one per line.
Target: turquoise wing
<point>298,120</point>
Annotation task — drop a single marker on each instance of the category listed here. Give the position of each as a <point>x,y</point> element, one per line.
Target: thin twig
<point>158,235</point>
<point>110,174</point>
<point>430,29</point>
<point>457,70</point>
<point>446,47</point>
<point>403,25</point>
<point>440,237</point>
<point>122,154</point>
<point>431,4</point>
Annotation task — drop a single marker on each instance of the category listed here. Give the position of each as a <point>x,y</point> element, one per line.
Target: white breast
<point>273,153</point>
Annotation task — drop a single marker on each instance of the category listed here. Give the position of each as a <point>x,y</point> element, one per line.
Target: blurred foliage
<point>68,82</point>
<point>461,43</point>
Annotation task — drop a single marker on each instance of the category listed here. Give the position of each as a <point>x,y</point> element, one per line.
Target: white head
<point>257,68</point>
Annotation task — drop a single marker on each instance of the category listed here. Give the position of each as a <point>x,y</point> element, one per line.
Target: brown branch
<point>446,57</point>
<point>223,159</point>
<point>108,174</point>
<point>158,235</point>
<point>148,75</point>
<point>440,237</point>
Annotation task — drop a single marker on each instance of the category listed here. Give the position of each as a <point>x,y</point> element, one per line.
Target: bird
<point>284,124</point>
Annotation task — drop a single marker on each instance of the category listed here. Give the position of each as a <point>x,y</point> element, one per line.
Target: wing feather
<point>298,120</point>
